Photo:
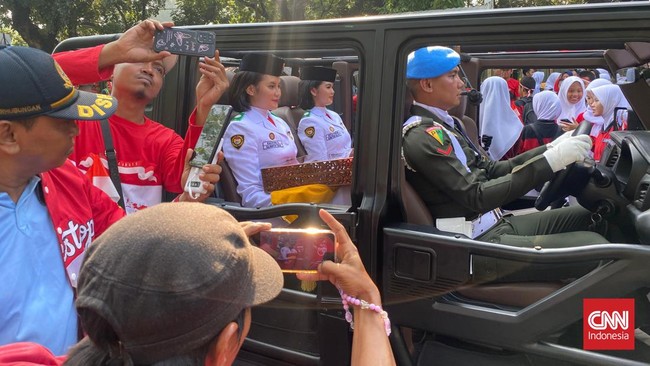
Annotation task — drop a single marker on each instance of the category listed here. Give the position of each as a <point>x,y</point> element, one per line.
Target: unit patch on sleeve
<point>310,132</point>
<point>437,133</point>
<point>237,141</point>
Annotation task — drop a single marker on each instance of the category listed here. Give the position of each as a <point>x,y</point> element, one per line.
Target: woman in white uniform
<point>321,130</point>
<point>256,138</point>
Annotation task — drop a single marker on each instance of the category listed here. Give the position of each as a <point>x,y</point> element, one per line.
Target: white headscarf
<point>496,118</point>
<point>604,74</point>
<point>546,106</point>
<point>611,97</point>
<point>550,82</point>
<point>539,77</point>
<point>571,111</point>
<point>596,121</point>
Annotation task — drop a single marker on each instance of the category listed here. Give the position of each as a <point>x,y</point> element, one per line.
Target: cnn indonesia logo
<point>608,324</point>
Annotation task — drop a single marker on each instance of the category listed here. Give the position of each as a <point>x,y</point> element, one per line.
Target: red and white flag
<point>100,177</point>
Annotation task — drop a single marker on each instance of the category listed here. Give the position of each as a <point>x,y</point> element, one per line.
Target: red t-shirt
<point>150,156</point>
<point>28,354</point>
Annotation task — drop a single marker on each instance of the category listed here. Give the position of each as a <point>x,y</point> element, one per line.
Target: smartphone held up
<point>185,42</point>
<point>298,250</point>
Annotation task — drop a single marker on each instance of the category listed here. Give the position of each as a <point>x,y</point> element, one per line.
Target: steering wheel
<point>556,188</point>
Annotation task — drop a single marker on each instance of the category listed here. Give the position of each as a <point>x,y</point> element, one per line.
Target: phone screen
<point>298,250</point>
<point>213,130</point>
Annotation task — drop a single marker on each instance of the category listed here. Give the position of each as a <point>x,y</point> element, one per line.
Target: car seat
<point>508,294</point>
<point>227,180</point>
<point>288,108</point>
<point>469,124</point>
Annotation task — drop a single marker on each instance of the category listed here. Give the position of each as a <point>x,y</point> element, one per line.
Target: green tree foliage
<point>16,39</point>
<point>189,12</point>
<point>242,11</point>
<point>43,23</point>
<point>119,15</point>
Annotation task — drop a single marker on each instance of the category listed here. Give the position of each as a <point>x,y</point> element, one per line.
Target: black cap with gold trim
<point>264,63</point>
<point>33,84</point>
<point>318,73</point>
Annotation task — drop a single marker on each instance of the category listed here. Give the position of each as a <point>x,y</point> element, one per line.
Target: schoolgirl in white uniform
<point>321,130</point>
<point>256,138</point>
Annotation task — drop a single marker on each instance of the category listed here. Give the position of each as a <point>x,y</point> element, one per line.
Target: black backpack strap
<point>112,159</point>
<point>533,127</point>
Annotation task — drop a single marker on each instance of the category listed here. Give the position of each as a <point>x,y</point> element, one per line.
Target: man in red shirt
<point>150,156</point>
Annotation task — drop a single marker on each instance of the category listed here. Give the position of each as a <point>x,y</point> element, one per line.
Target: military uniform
<point>324,135</point>
<point>457,182</point>
<point>450,188</point>
<point>254,140</point>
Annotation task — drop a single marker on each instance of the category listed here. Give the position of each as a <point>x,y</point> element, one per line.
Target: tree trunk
<point>34,36</point>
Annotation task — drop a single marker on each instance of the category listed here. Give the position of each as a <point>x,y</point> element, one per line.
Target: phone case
<point>207,146</point>
<point>185,42</point>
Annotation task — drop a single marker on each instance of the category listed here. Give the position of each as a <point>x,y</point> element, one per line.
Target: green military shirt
<point>448,188</point>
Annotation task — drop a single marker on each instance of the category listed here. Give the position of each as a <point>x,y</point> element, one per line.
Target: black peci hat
<point>264,63</point>
<point>318,73</point>
<point>33,84</point>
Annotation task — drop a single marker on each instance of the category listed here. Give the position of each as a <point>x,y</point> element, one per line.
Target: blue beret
<point>431,62</point>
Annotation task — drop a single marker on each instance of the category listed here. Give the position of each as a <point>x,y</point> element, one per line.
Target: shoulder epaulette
<point>239,116</point>
<point>412,122</point>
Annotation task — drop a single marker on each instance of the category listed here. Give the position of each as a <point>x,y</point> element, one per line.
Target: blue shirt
<point>36,299</point>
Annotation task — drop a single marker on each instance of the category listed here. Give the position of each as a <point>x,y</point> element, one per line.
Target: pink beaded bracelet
<point>348,300</point>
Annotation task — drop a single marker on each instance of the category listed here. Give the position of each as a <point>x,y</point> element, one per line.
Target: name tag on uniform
<point>266,145</point>
<point>333,135</point>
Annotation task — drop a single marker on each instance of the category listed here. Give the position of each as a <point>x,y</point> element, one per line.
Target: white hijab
<point>571,111</point>
<point>546,106</point>
<point>550,82</point>
<point>611,97</point>
<point>497,119</point>
<point>604,74</point>
<point>596,121</point>
<point>539,77</point>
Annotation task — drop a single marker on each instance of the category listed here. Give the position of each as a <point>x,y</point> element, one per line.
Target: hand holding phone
<point>185,42</point>
<point>568,125</point>
<point>298,250</point>
<point>207,147</point>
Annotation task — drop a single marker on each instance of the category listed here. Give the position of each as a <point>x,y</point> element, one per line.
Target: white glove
<point>569,151</point>
<point>559,139</point>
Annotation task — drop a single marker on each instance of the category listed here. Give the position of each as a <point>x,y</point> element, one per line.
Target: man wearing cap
<point>199,309</point>
<point>321,130</point>
<point>525,103</point>
<point>456,182</point>
<point>199,313</point>
<point>49,212</point>
<point>150,156</point>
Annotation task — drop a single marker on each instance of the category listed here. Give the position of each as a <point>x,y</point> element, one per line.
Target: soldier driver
<point>456,181</point>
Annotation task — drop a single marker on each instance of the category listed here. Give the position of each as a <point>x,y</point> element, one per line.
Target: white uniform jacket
<point>324,135</point>
<point>252,142</point>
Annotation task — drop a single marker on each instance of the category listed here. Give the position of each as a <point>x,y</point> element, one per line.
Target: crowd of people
<point>58,145</point>
<point>544,117</point>
<point>64,299</point>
